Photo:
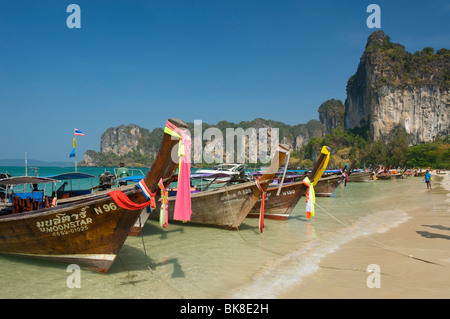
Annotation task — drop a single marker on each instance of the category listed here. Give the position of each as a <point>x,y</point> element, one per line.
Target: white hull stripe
<point>270,214</point>
<point>109,257</point>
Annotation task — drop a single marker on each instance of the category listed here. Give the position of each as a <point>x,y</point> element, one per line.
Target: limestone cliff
<point>331,114</point>
<point>131,144</point>
<point>136,146</point>
<point>121,140</point>
<point>394,88</point>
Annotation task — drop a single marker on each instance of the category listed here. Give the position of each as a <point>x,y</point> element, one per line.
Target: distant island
<point>397,112</point>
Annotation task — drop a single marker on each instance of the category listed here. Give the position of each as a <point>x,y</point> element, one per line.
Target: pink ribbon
<point>182,209</point>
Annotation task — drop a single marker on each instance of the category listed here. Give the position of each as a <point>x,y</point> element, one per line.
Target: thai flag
<point>78,133</point>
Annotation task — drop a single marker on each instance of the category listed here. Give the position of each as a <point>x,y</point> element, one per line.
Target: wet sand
<point>413,258</point>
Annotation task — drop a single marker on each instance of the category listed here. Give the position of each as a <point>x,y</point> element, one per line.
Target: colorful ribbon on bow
<point>148,195</point>
<point>322,168</point>
<point>261,210</point>
<point>163,211</point>
<point>310,198</point>
<point>182,209</point>
<point>123,201</point>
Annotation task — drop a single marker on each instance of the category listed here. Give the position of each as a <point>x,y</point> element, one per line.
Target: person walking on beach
<point>428,179</point>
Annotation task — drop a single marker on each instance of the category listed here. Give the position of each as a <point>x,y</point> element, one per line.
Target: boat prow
<point>89,231</point>
<point>228,206</point>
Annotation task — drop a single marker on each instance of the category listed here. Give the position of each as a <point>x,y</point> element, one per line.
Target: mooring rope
<point>153,272</point>
<point>239,232</point>
<point>258,245</point>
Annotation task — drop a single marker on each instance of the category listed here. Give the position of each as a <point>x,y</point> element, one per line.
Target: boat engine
<point>106,180</point>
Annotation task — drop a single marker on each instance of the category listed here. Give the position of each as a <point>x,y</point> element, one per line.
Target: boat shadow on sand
<point>429,235</point>
<point>122,264</point>
<point>144,262</point>
<point>134,258</point>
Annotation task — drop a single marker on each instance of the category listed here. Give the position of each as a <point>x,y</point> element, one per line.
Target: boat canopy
<point>136,178</point>
<point>74,175</point>
<point>22,180</point>
<point>206,175</point>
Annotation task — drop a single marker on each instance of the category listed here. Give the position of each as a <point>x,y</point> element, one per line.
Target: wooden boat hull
<point>88,231</point>
<point>360,177</point>
<point>420,174</point>
<point>88,234</point>
<point>223,206</point>
<point>140,222</point>
<point>227,206</point>
<point>219,207</point>
<point>327,185</point>
<point>280,207</point>
<point>385,176</point>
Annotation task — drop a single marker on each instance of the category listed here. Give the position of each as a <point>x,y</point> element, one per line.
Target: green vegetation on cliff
<point>400,68</point>
<point>149,141</point>
<point>331,114</point>
<point>349,146</point>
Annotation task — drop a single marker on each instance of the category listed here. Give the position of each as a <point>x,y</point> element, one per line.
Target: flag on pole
<point>72,154</point>
<point>78,133</point>
<point>74,142</point>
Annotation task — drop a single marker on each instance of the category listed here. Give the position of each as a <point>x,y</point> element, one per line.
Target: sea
<point>186,261</point>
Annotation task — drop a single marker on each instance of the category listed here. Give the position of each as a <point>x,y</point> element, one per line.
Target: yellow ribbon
<point>163,211</point>
<point>180,145</point>
<point>310,195</point>
<point>323,167</point>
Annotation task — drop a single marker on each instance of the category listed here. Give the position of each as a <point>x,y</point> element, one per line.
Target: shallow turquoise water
<point>186,261</point>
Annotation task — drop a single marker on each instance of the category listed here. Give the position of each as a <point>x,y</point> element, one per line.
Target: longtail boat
<point>384,174</point>
<point>420,173</point>
<point>282,199</point>
<point>90,231</point>
<point>361,176</point>
<point>327,185</point>
<point>329,182</point>
<point>228,206</point>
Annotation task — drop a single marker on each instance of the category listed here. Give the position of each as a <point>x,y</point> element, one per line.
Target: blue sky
<point>144,61</point>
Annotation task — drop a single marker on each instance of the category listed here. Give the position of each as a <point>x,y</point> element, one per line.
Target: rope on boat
<point>239,232</point>
<point>258,245</point>
<point>130,276</point>
<point>380,243</point>
<point>143,244</point>
<point>154,272</point>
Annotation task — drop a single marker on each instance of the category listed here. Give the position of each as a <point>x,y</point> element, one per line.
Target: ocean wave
<point>290,269</point>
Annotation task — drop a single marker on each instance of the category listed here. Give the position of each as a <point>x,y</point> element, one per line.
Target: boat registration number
<point>64,224</point>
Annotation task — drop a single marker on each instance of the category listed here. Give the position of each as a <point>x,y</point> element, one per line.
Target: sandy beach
<point>413,258</point>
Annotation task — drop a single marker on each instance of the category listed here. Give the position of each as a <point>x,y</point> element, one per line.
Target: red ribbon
<point>261,210</point>
<point>123,201</point>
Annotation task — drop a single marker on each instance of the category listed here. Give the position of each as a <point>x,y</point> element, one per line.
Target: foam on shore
<point>290,270</point>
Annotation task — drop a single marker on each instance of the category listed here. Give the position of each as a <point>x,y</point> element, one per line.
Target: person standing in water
<point>428,179</point>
